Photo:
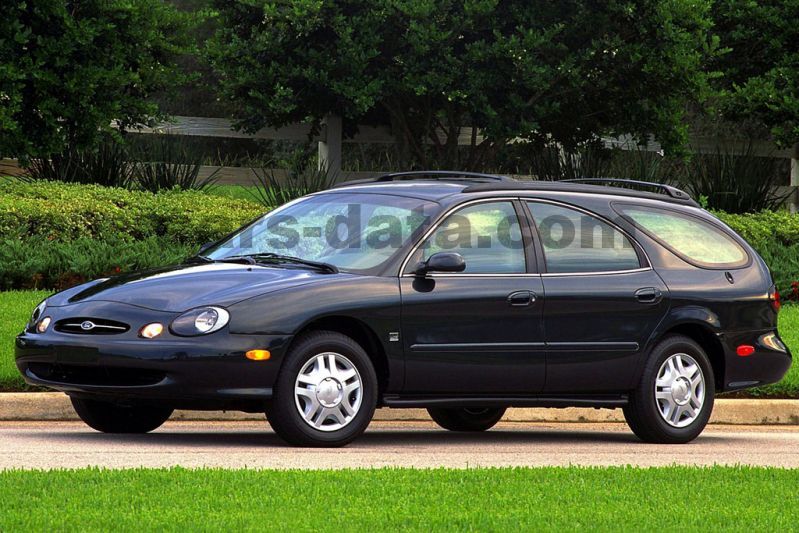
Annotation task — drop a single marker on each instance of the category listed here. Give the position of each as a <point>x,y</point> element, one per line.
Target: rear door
<point>603,300</point>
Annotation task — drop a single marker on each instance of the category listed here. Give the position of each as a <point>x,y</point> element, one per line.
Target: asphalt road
<point>400,444</point>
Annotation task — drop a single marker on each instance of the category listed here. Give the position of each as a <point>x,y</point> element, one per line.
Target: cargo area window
<point>695,240</point>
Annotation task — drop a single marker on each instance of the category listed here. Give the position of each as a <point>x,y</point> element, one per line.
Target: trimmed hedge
<point>38,219</point>
<point>62,212</point>
<point>764,228</point>
<point>37,263</point>
<point>775,236</point>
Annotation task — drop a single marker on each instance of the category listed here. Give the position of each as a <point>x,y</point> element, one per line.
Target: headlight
<point>37,313</point>
<point>200,321</point>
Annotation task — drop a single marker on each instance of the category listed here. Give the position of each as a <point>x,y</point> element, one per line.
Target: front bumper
<point>205,372</point>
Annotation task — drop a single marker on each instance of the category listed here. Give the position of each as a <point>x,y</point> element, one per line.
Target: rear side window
<point>691,238</point>
<point>574,241</point>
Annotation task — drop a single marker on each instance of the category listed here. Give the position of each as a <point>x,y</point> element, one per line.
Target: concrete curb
<point>40,406</point>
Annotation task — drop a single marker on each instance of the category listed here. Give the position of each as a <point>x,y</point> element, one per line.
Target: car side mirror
<point>204,247</point>
<point>442,262</point>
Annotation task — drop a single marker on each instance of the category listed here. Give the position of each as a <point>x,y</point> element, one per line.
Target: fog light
<point>42,326</point>
<point>151,330</point>
<point>258,355</point>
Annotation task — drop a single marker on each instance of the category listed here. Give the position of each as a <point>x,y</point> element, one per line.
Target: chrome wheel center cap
<point>681,391</point>
<point>329,392</point>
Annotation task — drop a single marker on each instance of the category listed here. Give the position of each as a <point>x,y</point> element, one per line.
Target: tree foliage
<point>759,65</point>
<point>67,69</point>
<point>542,71</point>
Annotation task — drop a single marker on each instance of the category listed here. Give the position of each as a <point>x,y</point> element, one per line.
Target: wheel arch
<point>707,338</point>
<point>361,333</point>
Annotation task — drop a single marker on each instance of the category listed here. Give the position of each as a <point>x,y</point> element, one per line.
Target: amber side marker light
<point>258,355</point>
<point>745,350</point>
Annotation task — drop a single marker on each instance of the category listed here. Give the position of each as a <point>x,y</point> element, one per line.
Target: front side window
<point>487,235</point>
<point>574,241</point>
<point>689,237</point>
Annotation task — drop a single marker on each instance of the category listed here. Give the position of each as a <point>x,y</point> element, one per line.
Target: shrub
<point>765,227</point>
<point>170,162</point>
<point>37,263</point>
<point>735,179</point>
<point>303,176</point>
<point>107,165</point>
<point>775,236</point>
<point>63,212</point>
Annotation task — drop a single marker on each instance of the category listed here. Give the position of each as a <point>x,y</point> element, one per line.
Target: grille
<point>90,326</point>
<point>93,375</point>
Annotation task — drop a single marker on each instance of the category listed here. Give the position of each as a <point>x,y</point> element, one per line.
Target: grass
<point>237,192</point>
<point>15,310</point>
<point>16,306</point>
<point>615,498</point>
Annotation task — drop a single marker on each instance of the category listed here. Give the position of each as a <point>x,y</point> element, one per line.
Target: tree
<point>542,71</point>
<point>67,69</point>
<point>759,65</point>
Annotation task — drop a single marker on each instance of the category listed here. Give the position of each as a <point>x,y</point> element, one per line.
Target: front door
<point>479,331</point>
<point>603,300</point>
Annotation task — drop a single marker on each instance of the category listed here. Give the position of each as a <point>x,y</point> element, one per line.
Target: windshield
<point>354,232</point>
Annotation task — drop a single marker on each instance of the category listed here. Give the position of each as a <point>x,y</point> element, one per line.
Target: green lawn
<point>238,192</point>
<point>16,306</point>
<point>15,310</point>
<point>629,499</point>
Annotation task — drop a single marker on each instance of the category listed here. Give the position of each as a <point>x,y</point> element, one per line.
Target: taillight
<point>774,298</point>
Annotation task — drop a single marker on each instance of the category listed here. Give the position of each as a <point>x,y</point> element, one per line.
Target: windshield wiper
<point>278,258</point>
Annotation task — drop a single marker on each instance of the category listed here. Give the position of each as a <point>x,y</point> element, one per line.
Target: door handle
<point>648,295</point>
<point>521,298</point>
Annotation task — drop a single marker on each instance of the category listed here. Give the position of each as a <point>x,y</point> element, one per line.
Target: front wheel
<point>674,399</point>
<point>466,418</point>
<point>109,417</point>
<point>325,393</point>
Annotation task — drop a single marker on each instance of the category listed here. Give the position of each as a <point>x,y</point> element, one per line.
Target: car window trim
<point>618,207</point>
<point>433,227</point>
<point>644,263</point>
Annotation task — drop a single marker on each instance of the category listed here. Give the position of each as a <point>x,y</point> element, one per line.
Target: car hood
<point>183,287</point>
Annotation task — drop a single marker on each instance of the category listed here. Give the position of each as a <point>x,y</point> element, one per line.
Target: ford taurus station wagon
<point>461,293</point>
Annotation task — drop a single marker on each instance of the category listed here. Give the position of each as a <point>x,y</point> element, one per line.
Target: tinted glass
<point>690,237</point>
<point>355,232</point>
<point>574,241</point>
<point>487,235</point>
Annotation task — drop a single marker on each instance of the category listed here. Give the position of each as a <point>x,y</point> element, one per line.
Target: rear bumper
<point>208,372</point>
<point>768,364</point>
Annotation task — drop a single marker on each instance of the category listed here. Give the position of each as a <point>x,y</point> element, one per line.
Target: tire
<point>647,416</point>
<point>466,419</point>
<point>109,417</point>
<point>331,411</point>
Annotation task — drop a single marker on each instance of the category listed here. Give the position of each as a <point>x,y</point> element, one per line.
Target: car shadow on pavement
<point>382,438</point>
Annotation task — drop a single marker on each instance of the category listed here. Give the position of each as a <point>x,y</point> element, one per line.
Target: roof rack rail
<point>428,174</point>
<point>674,192</point>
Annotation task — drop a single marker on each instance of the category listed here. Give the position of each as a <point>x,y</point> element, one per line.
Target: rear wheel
<point>326,392</point>
<point>466,418</point>
<point>114,418</point>
<point>674,399</point>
